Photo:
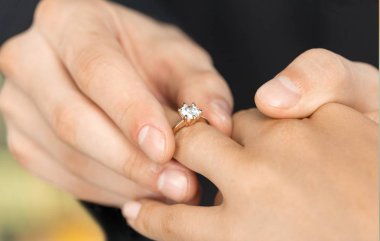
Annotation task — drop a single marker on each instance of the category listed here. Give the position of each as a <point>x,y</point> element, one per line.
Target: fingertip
<point>192,191</point>
<point>131,210</point>
<point>280,92</point>
<point>157,142</point>
<point>177,182</point>
<point>281,97</point>
<point>269,110</point>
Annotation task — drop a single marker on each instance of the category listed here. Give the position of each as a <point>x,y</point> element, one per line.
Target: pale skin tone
<point>87,97</point>
<point>79,94</point>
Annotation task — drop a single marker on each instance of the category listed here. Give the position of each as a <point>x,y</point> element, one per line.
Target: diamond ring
<point>190,114</point>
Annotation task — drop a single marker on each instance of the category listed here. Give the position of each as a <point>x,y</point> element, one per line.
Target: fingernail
<point>131,210</point>
<point>173,184</point>
<point>221,109</point>
<point>152,142</point>
<point>279,92</point>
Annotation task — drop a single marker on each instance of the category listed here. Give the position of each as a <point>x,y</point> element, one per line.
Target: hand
<point>83,100</point>
<point>317,77</point>
<point>297,179</point>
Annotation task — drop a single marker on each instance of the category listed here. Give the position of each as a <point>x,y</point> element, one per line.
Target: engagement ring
<point>190,114</point>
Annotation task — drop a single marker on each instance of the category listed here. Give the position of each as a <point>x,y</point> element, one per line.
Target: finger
<point>72,117</point>
<point>90,50</point>
<point>250,121</point>
<point>209,91</point>
<point>334,115</point>
<point>169,181</point>
<point>205,150</point>
<point>177,222</point>
<point>23,115</point>
<point>315,78</point>
<point>177,67</point>
<point>35,160</point>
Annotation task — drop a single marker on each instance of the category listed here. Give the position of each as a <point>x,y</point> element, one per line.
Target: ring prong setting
<point>190,113</point>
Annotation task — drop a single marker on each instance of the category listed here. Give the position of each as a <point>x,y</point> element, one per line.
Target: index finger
<point>89,49</point>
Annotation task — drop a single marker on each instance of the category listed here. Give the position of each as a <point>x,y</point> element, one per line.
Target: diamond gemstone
<point>190,112</point>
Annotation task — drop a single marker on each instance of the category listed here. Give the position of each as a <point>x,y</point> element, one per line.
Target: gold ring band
<point>183,123</point>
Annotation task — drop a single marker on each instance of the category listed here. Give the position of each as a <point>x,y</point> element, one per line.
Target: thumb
<point>315,78</point>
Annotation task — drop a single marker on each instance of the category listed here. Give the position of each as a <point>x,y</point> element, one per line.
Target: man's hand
<point>83,100</point>
<point>297,179</point>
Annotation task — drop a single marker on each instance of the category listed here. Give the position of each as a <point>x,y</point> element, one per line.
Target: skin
<point>88,95</point>
<point>308,179</point>
<point>78,93</point>
<point>313,178</point>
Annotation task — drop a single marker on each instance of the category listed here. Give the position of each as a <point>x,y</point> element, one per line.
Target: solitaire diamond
<point>190,112</point>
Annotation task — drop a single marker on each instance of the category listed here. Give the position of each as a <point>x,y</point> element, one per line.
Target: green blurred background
<point>32,210</point>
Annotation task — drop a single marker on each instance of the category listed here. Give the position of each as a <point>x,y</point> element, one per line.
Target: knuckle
<point>171,29</point>
<point>18,152</point>
<point>10,54</point>
<point>77,164</point>
<point>6,104</point>
<point>51,15</point>
<point>50,10</point>
<point>331,66</point>
<point>191,50</point>
<point>204,80</point>
<point>207,78</point>
<point>63,122</point>
<point>128,112</point>
<point>131,165</point>
<point>92,67</point>
<point>317,53</point>
<point>192,53</point>
<point>176,45</point>
<point>85,64</point>
<point>46,11</point>
<point>125,109</point>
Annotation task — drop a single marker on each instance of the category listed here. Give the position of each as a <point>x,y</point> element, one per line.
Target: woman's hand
<point>310,179</point>
<point>83,100</point>
<point>303,179</point>
<point>317,77</point>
